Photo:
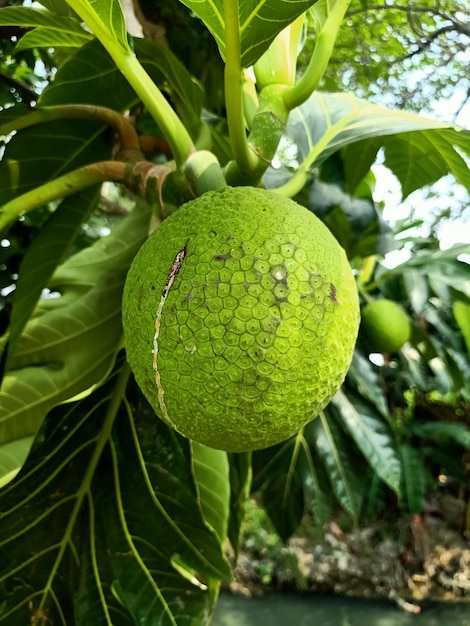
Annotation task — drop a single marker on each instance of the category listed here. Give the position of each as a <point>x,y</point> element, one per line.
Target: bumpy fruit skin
<point>240,315</point>
<point>385,326</point>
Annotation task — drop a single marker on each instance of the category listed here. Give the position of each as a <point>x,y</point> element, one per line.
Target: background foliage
<point>107,515</point>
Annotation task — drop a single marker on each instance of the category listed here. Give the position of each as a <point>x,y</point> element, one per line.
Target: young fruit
<point>385,325</point>
<point>240,314</point>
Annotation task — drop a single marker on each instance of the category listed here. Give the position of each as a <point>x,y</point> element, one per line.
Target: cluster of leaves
<point>107,515</point>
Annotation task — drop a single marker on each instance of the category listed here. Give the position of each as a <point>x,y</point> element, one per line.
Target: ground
<point>411,559</point>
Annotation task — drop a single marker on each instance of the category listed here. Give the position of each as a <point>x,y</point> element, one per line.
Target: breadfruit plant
<point>188,234</point>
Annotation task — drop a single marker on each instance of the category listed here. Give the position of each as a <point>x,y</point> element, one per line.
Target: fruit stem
<point>300,178</point>
<point>233,85</point>
<point>204,173</point>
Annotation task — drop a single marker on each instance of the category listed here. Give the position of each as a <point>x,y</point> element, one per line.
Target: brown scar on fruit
<point>172,274</point>
<point>223,257</point>
<point>332,295</point>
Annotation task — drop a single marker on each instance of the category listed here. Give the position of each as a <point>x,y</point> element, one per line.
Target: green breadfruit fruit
<point>240,314</point>
<point>385,326</point>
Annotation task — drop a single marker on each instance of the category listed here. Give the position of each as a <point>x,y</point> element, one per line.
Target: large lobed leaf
<point>104,17</point>
<point>71,341</point>
<point>259,22</point>
<point>419,151</point>
<point>45,253</point>
<point>104,523</point>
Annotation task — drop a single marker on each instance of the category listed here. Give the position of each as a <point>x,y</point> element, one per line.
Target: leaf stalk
<point>299,92</point>
<point>233,85</point>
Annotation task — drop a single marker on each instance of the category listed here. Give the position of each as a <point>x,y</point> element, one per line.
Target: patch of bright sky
<point>448,194</point>
<point>425,206</point>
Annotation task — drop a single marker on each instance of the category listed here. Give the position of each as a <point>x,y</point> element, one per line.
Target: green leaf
<point>106,20</point>
<point>41,153</point>
<point>365,377</point>
<point>44,152</point>
<point>211,476</point>
<point>431,154</point>
<point>340,461</point>
<point>442,431</point>
<point>461,312</point>
<point>442,265</point>
<point>89,76</point>
<point>418,150</point>
<point>46,252</point>
<point>47,38</point>
<point>413,479</point>
<point>372,435</point>
<point>355,222</point>
<point>71,341</point>
<point>317,488</point>
<point>276,475</point>
<point>417,289</point>
<point>240,485</point>
<point>172,76</point>
<point>49,30</point>
<point>259,22</point>
<point>29,17</point>
<point>103,525</point>
<point>12,457</point>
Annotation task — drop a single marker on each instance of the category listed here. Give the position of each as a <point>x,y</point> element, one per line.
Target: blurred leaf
<point>375,498</point>
<point>71,341</point>
<point>366,380</point>
<point>461,312</point>
<point>442,431</point>
<point>103,524</point>
<point>442,264</point>
<point>371,434</point>
<point>413,479</point>
<point>417,289</point>
<point>259,22</point>
<point>355,222</point>
<point>413,367</point>
<point>167,71</point>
